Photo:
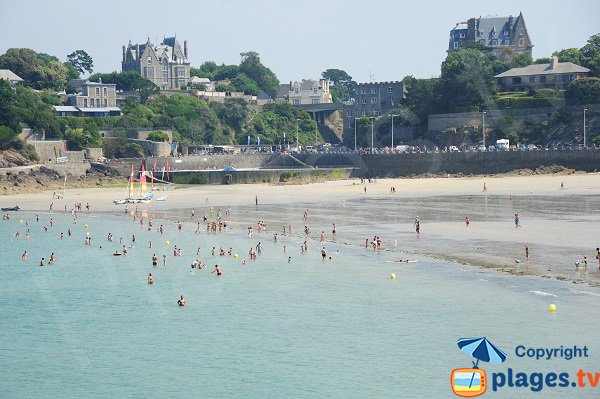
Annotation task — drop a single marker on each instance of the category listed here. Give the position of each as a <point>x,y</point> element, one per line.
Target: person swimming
<point>181,301</point>
<point>217,270</point>
<point>150,279</point>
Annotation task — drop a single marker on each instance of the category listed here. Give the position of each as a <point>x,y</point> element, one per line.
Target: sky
<point>372,40</point>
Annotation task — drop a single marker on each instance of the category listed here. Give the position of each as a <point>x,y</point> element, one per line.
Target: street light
<point>355,119</point>
<point>483,128</point>
<point>316,132</point>
<point>372,132</point>
<point>297,147</point>
<point>584,141</point>
<point>393,131</point>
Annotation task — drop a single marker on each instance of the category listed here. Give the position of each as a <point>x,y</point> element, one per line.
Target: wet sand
<point>558,225</point>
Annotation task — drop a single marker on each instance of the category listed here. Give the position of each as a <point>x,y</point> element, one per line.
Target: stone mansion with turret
<point>165,64</point>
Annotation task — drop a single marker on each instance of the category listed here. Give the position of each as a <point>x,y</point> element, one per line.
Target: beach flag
<point>143,179</point>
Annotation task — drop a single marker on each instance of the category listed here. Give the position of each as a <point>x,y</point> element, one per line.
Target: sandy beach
<point>558,225</point>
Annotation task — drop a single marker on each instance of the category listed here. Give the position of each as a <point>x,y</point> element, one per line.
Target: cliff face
<point>529,126</point>
<point>11,158</point>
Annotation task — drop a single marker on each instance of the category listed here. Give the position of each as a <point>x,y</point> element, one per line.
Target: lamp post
<point>584,140</point>
<point>372,132</point>
<point>297,148</point>
<point>483,127</point>
<point>316,131</point>
<point>393,131</point>
<point>355,119</point>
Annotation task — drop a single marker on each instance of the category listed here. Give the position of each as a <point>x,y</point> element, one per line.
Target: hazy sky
<point>296,39</point>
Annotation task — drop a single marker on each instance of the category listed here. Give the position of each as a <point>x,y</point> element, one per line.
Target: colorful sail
<point>143,180</point>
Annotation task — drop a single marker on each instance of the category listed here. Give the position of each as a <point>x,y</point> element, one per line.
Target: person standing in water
<point>181,301</point>
<point>526,252</point>
<point>217,270</point>
<point>150,279</point>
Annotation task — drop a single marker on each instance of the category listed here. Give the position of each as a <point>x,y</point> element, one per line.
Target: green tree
<point>343,86</point>
<point>591,55</point>
<point>158,136</point>
<point>573,55</point>
<point>583,91</point>
<point>422,99</point>
<point>206,70</point>
<point>39,71</point>
<point>81,61</point>
<point>467,81</point>
<point>79,139</point>
<point>243,83</point>
<point>263,76</point>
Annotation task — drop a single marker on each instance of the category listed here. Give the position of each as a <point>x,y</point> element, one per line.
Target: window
<point>296,90</point>
<point>85,102</point>
<point>97,91</point>
<point>181,72</point>
<point>363,90</point>
<point>105,91</point>
<point>349,124</point>
<point>389,90</point>
<point>532,79</point>
<point>516,81</point>
<point>315,101</point>
<point>296,101</point>
<point>373,90</point>
<point>98,103</point>
<point>165,77</point>
<point>149,60</point>
<point>462,35</point>
<point>543,79</point>
<point>105,102</point>
<point>455,45</point>
<point>521,42</point>
<point>148,72</point>
<point>364,100</point>
<point>373,100</point>
<point>494,42</point>
<point>364,112</point>
<point>315,90</point>
<point>348,112</point>
<point>482,42</point>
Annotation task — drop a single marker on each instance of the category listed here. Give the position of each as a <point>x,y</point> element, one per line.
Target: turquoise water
<point>90,326</point>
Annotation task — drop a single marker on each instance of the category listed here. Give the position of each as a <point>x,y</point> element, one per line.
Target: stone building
<point>95,99</point>
<point>504,36</point>
<point>165,64</point>
<point>307,92</point>
<point>555,75</point>
<point>371,99</point>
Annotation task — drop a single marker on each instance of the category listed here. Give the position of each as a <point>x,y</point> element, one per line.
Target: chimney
<point>137,51</point>
<point>124,53</point>
<point>185,53</point>
<point>554,62</point>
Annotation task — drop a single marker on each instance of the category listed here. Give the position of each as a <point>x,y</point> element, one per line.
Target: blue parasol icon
<point>481,349</point>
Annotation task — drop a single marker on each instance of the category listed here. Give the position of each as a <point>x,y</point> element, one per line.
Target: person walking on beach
<point>334,231</point>
<point>467,221</point>
<point>256,200</point>
<point>562,185</point>
<point>484,188</point>
<point>517,221</point>
<point>417,225</point>
<point>526,253</point>
<point>598,257</point>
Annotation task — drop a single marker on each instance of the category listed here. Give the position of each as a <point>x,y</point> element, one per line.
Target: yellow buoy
<point>86,226</point>
<point>168,243</point>
<point>235,256</point>
<point>552,308</point>
<point>393,276</point>
<point>87,233</point>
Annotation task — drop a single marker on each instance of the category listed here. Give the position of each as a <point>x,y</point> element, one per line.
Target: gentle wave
<point>584,292</point>
<point>542,293</point>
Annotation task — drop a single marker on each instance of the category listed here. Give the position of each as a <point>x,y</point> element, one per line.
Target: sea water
<point>91,326</point>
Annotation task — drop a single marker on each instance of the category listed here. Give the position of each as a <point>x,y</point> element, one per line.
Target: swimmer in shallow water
<point>217,270</point>
<point>150,279</point>
<point>181,301</point>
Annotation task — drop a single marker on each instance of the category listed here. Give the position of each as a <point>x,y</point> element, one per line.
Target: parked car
<point>492,148</point>
<point>481,148</point>
<point>513,148</point>
<point>522,147</point>
<point>453,148</point>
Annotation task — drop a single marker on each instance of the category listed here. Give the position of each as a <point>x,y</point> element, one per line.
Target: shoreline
<point>550,215</point>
